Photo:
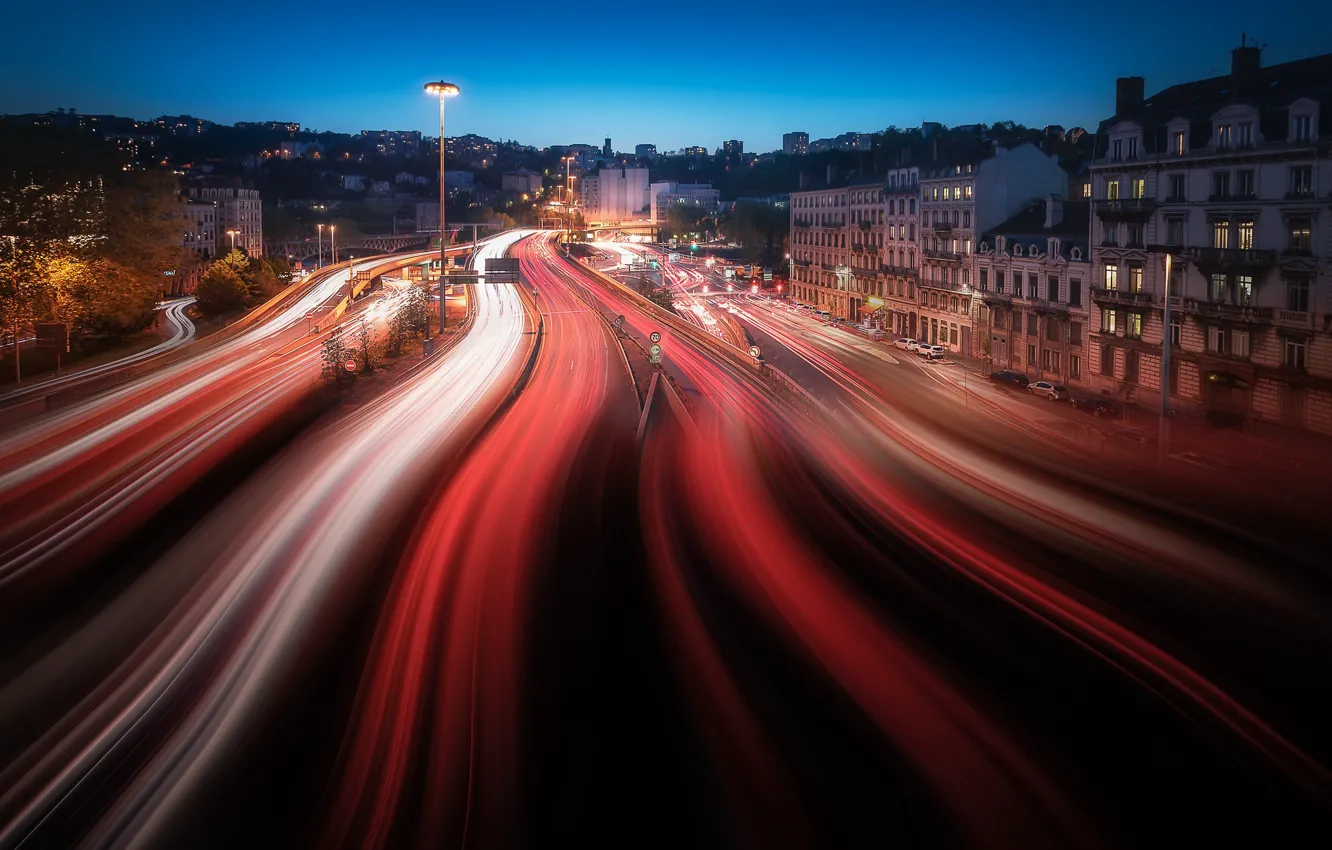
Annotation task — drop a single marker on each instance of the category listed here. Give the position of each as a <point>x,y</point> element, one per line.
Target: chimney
<point>1129,94</point>
<point>1054,210</point>
<point>832,172</point>
<point>1245,61</point>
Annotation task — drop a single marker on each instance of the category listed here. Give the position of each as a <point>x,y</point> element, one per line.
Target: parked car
<point>931,352</point>
<point>905,343</point>
<point>1100,407</point>
<point>1048,391</point>
<point>1008,376</point>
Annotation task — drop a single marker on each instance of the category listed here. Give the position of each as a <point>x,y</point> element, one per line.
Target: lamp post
<point>232,234</point>
<point>320,262</point>
<point>1163,438</point>
<point>442,90</point>
<point>333,242</point>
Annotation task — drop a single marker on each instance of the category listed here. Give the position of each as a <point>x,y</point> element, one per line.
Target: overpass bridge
<point>303,249</point>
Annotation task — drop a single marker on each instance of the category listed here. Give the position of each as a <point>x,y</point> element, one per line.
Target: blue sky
<point>673,79</point>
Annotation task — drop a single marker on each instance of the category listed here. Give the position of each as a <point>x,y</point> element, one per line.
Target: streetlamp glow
<point>442,90</point>
<point>233,234</point>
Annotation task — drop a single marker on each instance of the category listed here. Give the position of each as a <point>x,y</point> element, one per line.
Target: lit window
<point>1221,234</point>
<point>1086,190</point>
<point>1140,188</point>
<point>1112,190</point>
<point>1177,142</point>
<point>1223,135</point>
<point>1112,277</point>
<point>1244,235</point>
<point>1108,321</point>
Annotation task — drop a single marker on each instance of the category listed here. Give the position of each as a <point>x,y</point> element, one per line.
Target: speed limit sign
<point>655,336</point>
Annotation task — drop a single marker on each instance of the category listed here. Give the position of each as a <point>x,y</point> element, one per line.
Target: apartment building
<point>199,239</point>
<point>820,249</point>
<point>796,144</point>
<point>866,232</point>
<point>901,194</point>
<point>1227,177</point>
<point>1032,275</point>
<point>240,216</point>
<point>959,200</point>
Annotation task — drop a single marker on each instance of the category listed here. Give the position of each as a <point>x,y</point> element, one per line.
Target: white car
<point>931,352</point>
<point>908,344</point>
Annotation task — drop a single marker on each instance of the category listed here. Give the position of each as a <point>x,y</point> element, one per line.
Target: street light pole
<point>333,242</point>
<point>443,90</point>
<point>320,262</point>
<point>232,234</point>
<point>1163,438</point>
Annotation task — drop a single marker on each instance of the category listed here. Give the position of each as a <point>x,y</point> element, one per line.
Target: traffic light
<point>693,246</point>
<point>654,264</point>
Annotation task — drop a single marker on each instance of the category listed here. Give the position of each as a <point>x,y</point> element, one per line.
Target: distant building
<point>471,150</point>
<point>238,210</point>
<point>394,142</point>
<point>353,182</point>
<point>853,142</point>
<point>199,239</point>
<point>272,126</point>
<point>645,151</point>
<point>462,181</point>
<point>299,150</point>
<point>616,194</point>
<point>929,128</point>
<point>522,180</point>
<point>733,148</point>
<point>700,196</point>
<point>796,143</point>
<point>697,151</point>
<point>182,125</point>
<point>606,149</point>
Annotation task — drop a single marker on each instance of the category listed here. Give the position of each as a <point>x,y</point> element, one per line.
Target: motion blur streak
<point>458,614</point>
<point>275,571</point>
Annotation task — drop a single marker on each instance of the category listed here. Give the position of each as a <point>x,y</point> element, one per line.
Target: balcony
<point>1232,312</point>
<point>800,262</point>
<point>941,284</point>
<point>942,255</point>
<point>1047,307</point>
<point>1300,195</point>
<point>1208,259</point>
<point>1294,318</point>
<point>992,297</point>
<point>1121,297</point>
<point>942,227</point>
<point>1126,209</point>
<point>903,189</point>
<point>898,270</point>
<point>866,225</point>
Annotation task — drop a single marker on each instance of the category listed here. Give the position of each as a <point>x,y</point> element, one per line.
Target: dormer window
<point>1245,134</point>
<point>1301,128</point>
<point>1117,150</point>
<point>1133,148</point>
<point>1223,136</point>
<point>1178,143</point>
<point>1077,254</point>
<point>1017,250</point>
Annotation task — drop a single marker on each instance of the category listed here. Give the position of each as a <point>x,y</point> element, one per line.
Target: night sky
<point>544,74</point>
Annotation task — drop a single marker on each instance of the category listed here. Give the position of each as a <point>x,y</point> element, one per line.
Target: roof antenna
<point>1243,37</point>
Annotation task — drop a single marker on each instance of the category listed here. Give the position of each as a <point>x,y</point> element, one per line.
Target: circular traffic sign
<point>655,336</point>
<point>351,365</point>
<point>310,315</point>
<point>655,350</point>
<point>754,351</point>
<point>619,320</point>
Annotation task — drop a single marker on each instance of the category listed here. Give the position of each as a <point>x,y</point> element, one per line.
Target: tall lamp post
<point>333,242</point>
<point>232,234</point>
<point>320,262</point>
<point>442,90</point>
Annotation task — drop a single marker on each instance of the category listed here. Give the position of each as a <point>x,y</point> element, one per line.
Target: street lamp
<point>333,242</point>
<point>320,263</point>
<point>232,234</point>
<point>442,90</point>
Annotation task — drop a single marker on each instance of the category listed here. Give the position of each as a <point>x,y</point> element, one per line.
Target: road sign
<point>754,351</point>
<point>351,365</point>
<point>502,265</point>
<point>619,320</point>
<point>767,274</point>
<point>310,315</point>
<point>655,336</point>
<point>53,335</point>
<point>655,352</point>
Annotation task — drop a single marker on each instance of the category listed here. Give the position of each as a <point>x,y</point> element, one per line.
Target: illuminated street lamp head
<point>441,88</point>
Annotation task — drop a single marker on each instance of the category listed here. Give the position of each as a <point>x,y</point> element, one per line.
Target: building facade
<point>901,195</point>
<point>820,252</point>
<point>199,240</point>
<point>796,144</point>
<point>394,142</point>
<point>1032,277</point>
<point>239,212</point>
<point>616,194</point>
<point>1228,178</point>
<point>522,180</point>
<point>700,196</point>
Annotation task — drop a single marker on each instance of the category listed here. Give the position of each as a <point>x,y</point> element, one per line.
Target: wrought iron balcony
<point>1121,297</point>
<point>898,270</point>
<point>1044,305</point>
<point>1234,312</point>
<point>1125,209</point>
<point>989,296</point>
<point>1233,257</point>
<point>942,227</point>
<point>942,255</point>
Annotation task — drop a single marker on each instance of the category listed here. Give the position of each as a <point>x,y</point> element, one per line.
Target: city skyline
<point>698,97</point>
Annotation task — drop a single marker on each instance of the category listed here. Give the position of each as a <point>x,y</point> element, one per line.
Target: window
<point>1117,150</point>
<point>1133,325</point>
<point>1111,277</point>
<point>1032,323</point>
<point>1244,137</point>
<point>912,209</point>
<point>966,246</point>
<point>1177,142</point>
<point>1135,278</point>
<point>1075,333</point>
<point>1131,366</point>
<point>966,192</point>
<point>1244,183</point>
<point>1220,184</point>
<point>1301,180</point>
<point>1216,340</point>
<point>1075,292</point>
<point>934,193</point>
<point>1015,322</point>
<point>1139,186</point>
<point>1033,285</point>
<point>1294,355</point>
<point>947,193</point>
<point>1220,288</point>
<point>1052,288</point>
<point>1053,331</point>
<point>1176,187</point>
<point>1135,235</point>
<point>1109,320</point>
<point>1031,355</point>
<point>1220,233</point>
<point>1112,190</point>
<point>966,217</point>
<point>1086,190</point>
<point>984,279</point>
<point>1223,136</point>
<point>1174,230</point>
<point>1297,293</point>
<point>952,334</point>
<point>1074,366</point>
<point>1176,330</point>
<point>1133,148</point>
<point>1239,343</point>
<point>1244,234</point>
<point>1107,360</point>
<point>1301,232</point>
<point>1110,234</point>
<point>1301,127</point>
<point>1050,361</point>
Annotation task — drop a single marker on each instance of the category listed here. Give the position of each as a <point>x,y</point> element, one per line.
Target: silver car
<point>1048,391</point>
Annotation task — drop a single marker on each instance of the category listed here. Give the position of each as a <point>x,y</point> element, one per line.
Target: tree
<point>335,356</point>
<point>416,311</point>
<point>367,346</point>
<point>221,290</point>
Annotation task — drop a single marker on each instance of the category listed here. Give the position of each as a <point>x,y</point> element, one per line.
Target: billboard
<point>53,335</point>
